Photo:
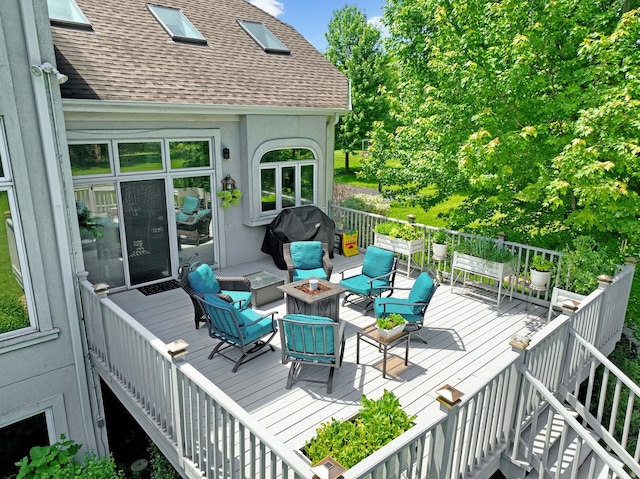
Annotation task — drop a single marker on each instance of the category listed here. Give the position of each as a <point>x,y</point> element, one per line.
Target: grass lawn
<point>351,178</point>
<point>13,314</point>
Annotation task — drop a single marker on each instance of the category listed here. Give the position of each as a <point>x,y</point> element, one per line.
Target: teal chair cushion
<point>203,280</point>
<point>244,298</point>
<point>422,290</point>
<point>190,205</point>
<point>308,338</point>
<point>360,285</point>
<point>377,261</point>
<point>254,331</point>
<point>306,254</point>
<point>309,273</point>
<point>180,216</point>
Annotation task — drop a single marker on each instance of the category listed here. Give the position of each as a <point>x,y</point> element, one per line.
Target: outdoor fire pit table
<point>325,301</point>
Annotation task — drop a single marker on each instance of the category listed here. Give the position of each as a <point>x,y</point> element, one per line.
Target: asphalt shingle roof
<point>129,57</point>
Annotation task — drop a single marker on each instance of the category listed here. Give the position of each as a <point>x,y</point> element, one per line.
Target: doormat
<point>159,287</point>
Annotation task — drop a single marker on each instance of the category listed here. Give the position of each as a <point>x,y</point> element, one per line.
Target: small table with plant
<point>374,335</point>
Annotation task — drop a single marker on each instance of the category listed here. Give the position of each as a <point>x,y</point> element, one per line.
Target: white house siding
<point>41,370</point>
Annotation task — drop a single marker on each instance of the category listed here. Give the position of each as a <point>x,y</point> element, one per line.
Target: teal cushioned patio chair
<point>316,340</point>
<point>307,259</point>
<point>246,329</point>
<point>377,276</point>
<point>198,280</point>
<point>413,307</point>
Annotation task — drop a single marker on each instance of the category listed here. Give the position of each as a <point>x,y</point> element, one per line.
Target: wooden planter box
<point>401,247</point>
<point>465,265</point>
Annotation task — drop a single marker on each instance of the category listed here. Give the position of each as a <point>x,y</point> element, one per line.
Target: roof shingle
<point>129,57</point>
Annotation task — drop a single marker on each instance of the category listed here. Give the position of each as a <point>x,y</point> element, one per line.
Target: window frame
<point>272,37</point>
<point>259,217</point>
<point>6,185</point>
<point>201,40</point>
<point>80,19</point>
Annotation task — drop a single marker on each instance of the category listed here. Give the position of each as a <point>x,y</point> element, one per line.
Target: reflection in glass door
<point>146,230</point>
<point>194,220</point>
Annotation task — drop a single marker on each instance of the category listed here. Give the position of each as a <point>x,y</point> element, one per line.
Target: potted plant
<point>352,440</point>
<point>401,238</point>
<point>439,244</point>
<point>540,273</point>
<point>390,326</point>
<point>484,258</point>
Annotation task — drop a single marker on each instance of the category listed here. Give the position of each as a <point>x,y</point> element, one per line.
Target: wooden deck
<point>466,334</point>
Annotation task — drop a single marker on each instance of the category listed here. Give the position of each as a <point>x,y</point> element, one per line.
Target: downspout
<point>47,122</point>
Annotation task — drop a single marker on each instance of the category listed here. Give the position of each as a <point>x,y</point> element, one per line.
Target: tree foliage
<point>355,48</point>
<point>530,107</point>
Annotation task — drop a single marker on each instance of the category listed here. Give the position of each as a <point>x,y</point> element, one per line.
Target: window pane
<point>100,233</point>
<point>189,154</point>
<point>306,184</point>
<point>263,37</point>
<point>268,189</point>
<point>194,226</point>
<point>13,309</point>
<point>89,159</point>
<point>288,186</point>
<point>287,154</point>
<point>176,24</point>
<point>66,11</point>
<point>140,156</point>
<point>17,439</point>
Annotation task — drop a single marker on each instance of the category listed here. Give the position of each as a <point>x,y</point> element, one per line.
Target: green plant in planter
<point>485,249</point>
<point>440,236</point>
<point>398,230</point>
<point>390,321</point>
<point>542,264</point>
<point>348,442</point>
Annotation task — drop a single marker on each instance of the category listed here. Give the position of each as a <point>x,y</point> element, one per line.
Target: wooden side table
<point>370,335</point>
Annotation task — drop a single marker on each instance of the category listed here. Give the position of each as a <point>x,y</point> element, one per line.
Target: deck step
<point>549,456</point>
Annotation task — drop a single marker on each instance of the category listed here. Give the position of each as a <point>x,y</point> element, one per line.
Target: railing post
<point>443,436</point>
<point>177,414</point>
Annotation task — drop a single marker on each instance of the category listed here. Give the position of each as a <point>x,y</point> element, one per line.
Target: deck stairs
<point>557,442</point>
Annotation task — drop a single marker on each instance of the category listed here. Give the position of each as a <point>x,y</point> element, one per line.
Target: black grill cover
<point>304,223</point>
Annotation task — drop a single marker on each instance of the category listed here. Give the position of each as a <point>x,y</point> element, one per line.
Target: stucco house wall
<point>42,367</point>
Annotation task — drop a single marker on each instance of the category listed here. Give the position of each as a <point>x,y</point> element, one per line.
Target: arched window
<point>288,177</point>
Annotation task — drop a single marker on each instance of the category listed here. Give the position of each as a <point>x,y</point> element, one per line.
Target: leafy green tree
<point>529,107</point>
<point>355,48</point>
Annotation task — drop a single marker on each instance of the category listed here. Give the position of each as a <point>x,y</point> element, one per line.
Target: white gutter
<point>51,150</point>
<point>153,108</point>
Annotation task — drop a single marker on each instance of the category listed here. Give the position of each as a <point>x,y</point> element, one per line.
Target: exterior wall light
<point>49,68</point>
<point>228,183</point>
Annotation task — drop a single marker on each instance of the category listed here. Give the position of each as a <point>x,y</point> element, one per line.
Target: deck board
<point>465,334</point>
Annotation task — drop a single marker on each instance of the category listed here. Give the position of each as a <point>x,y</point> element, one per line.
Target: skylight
<point>66,11</point>
<point>176,24</point>
<point>263,37</point>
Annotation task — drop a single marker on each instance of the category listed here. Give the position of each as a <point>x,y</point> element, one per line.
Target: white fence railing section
<point>205,434</point>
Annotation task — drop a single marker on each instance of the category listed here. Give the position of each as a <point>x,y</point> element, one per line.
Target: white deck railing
<point>364,223</point>
<point>212,435</point>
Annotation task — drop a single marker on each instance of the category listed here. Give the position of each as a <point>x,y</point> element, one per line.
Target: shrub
<point>57,462</point>
<point>367,203</point>
<point>582,264</point>
<point>161,468</point>
<point>350,441</point>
